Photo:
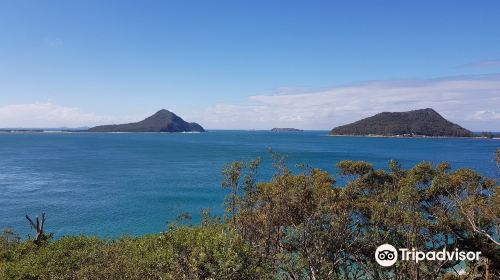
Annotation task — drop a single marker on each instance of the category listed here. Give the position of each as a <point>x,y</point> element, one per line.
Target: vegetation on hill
<point>424,122</point>
<point>295,226</point>
<point>161,121</point>
<point>285,129</point>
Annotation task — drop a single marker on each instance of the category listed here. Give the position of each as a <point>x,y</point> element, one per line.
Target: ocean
<point>113,184</point>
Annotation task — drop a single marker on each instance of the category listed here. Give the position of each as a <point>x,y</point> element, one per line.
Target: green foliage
<point>306,228</point>
<point>200,252</point>
<point>8,242</point>
<point>209,252</point>
<point>350,167</point>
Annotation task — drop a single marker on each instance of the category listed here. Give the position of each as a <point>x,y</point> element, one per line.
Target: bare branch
<point>31,222</point>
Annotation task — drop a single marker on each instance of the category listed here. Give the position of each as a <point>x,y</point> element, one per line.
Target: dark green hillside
<point>426,122</point>
<point>161,121</point>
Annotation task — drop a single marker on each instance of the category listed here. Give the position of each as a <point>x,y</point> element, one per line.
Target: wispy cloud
<point>483,64</point>
<point>472,101</point>
<point>54,42</point>
<point>485,115</point>
<point>49,115</point>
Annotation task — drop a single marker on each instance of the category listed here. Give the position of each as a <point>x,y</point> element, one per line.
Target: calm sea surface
<point>115,184</point>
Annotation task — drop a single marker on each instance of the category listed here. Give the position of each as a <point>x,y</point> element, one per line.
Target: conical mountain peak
<point>161,121</point>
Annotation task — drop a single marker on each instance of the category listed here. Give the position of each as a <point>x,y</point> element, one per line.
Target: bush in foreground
<point>199,252</point>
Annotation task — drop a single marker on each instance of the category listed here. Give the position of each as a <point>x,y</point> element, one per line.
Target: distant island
<point>161,121</point>
<point>487,134</point>
<point>423,122</point>
<point>285,129</point>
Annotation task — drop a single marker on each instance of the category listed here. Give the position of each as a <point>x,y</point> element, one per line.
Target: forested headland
<point>297,225</point>
<point>423,122</point>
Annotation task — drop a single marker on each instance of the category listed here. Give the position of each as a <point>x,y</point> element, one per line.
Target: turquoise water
<point>115,184</point>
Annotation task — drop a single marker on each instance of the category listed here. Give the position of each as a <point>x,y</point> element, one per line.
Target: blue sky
<point>247,64</point>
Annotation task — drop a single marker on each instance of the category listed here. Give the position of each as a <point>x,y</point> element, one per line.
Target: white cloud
<point>471,101</point>
<point>483,64</point>
<point>48,115</point>
<point>485,115</point>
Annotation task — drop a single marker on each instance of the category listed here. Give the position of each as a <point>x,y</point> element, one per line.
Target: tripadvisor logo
<point>387,255</point>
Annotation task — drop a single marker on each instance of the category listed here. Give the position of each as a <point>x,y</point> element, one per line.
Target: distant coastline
<point>41,130</point>
<point>475,136</point>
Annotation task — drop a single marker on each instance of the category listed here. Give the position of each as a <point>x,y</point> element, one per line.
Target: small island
<point>161,121</point>
<point>285,129</point>
<point>423,122</point>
